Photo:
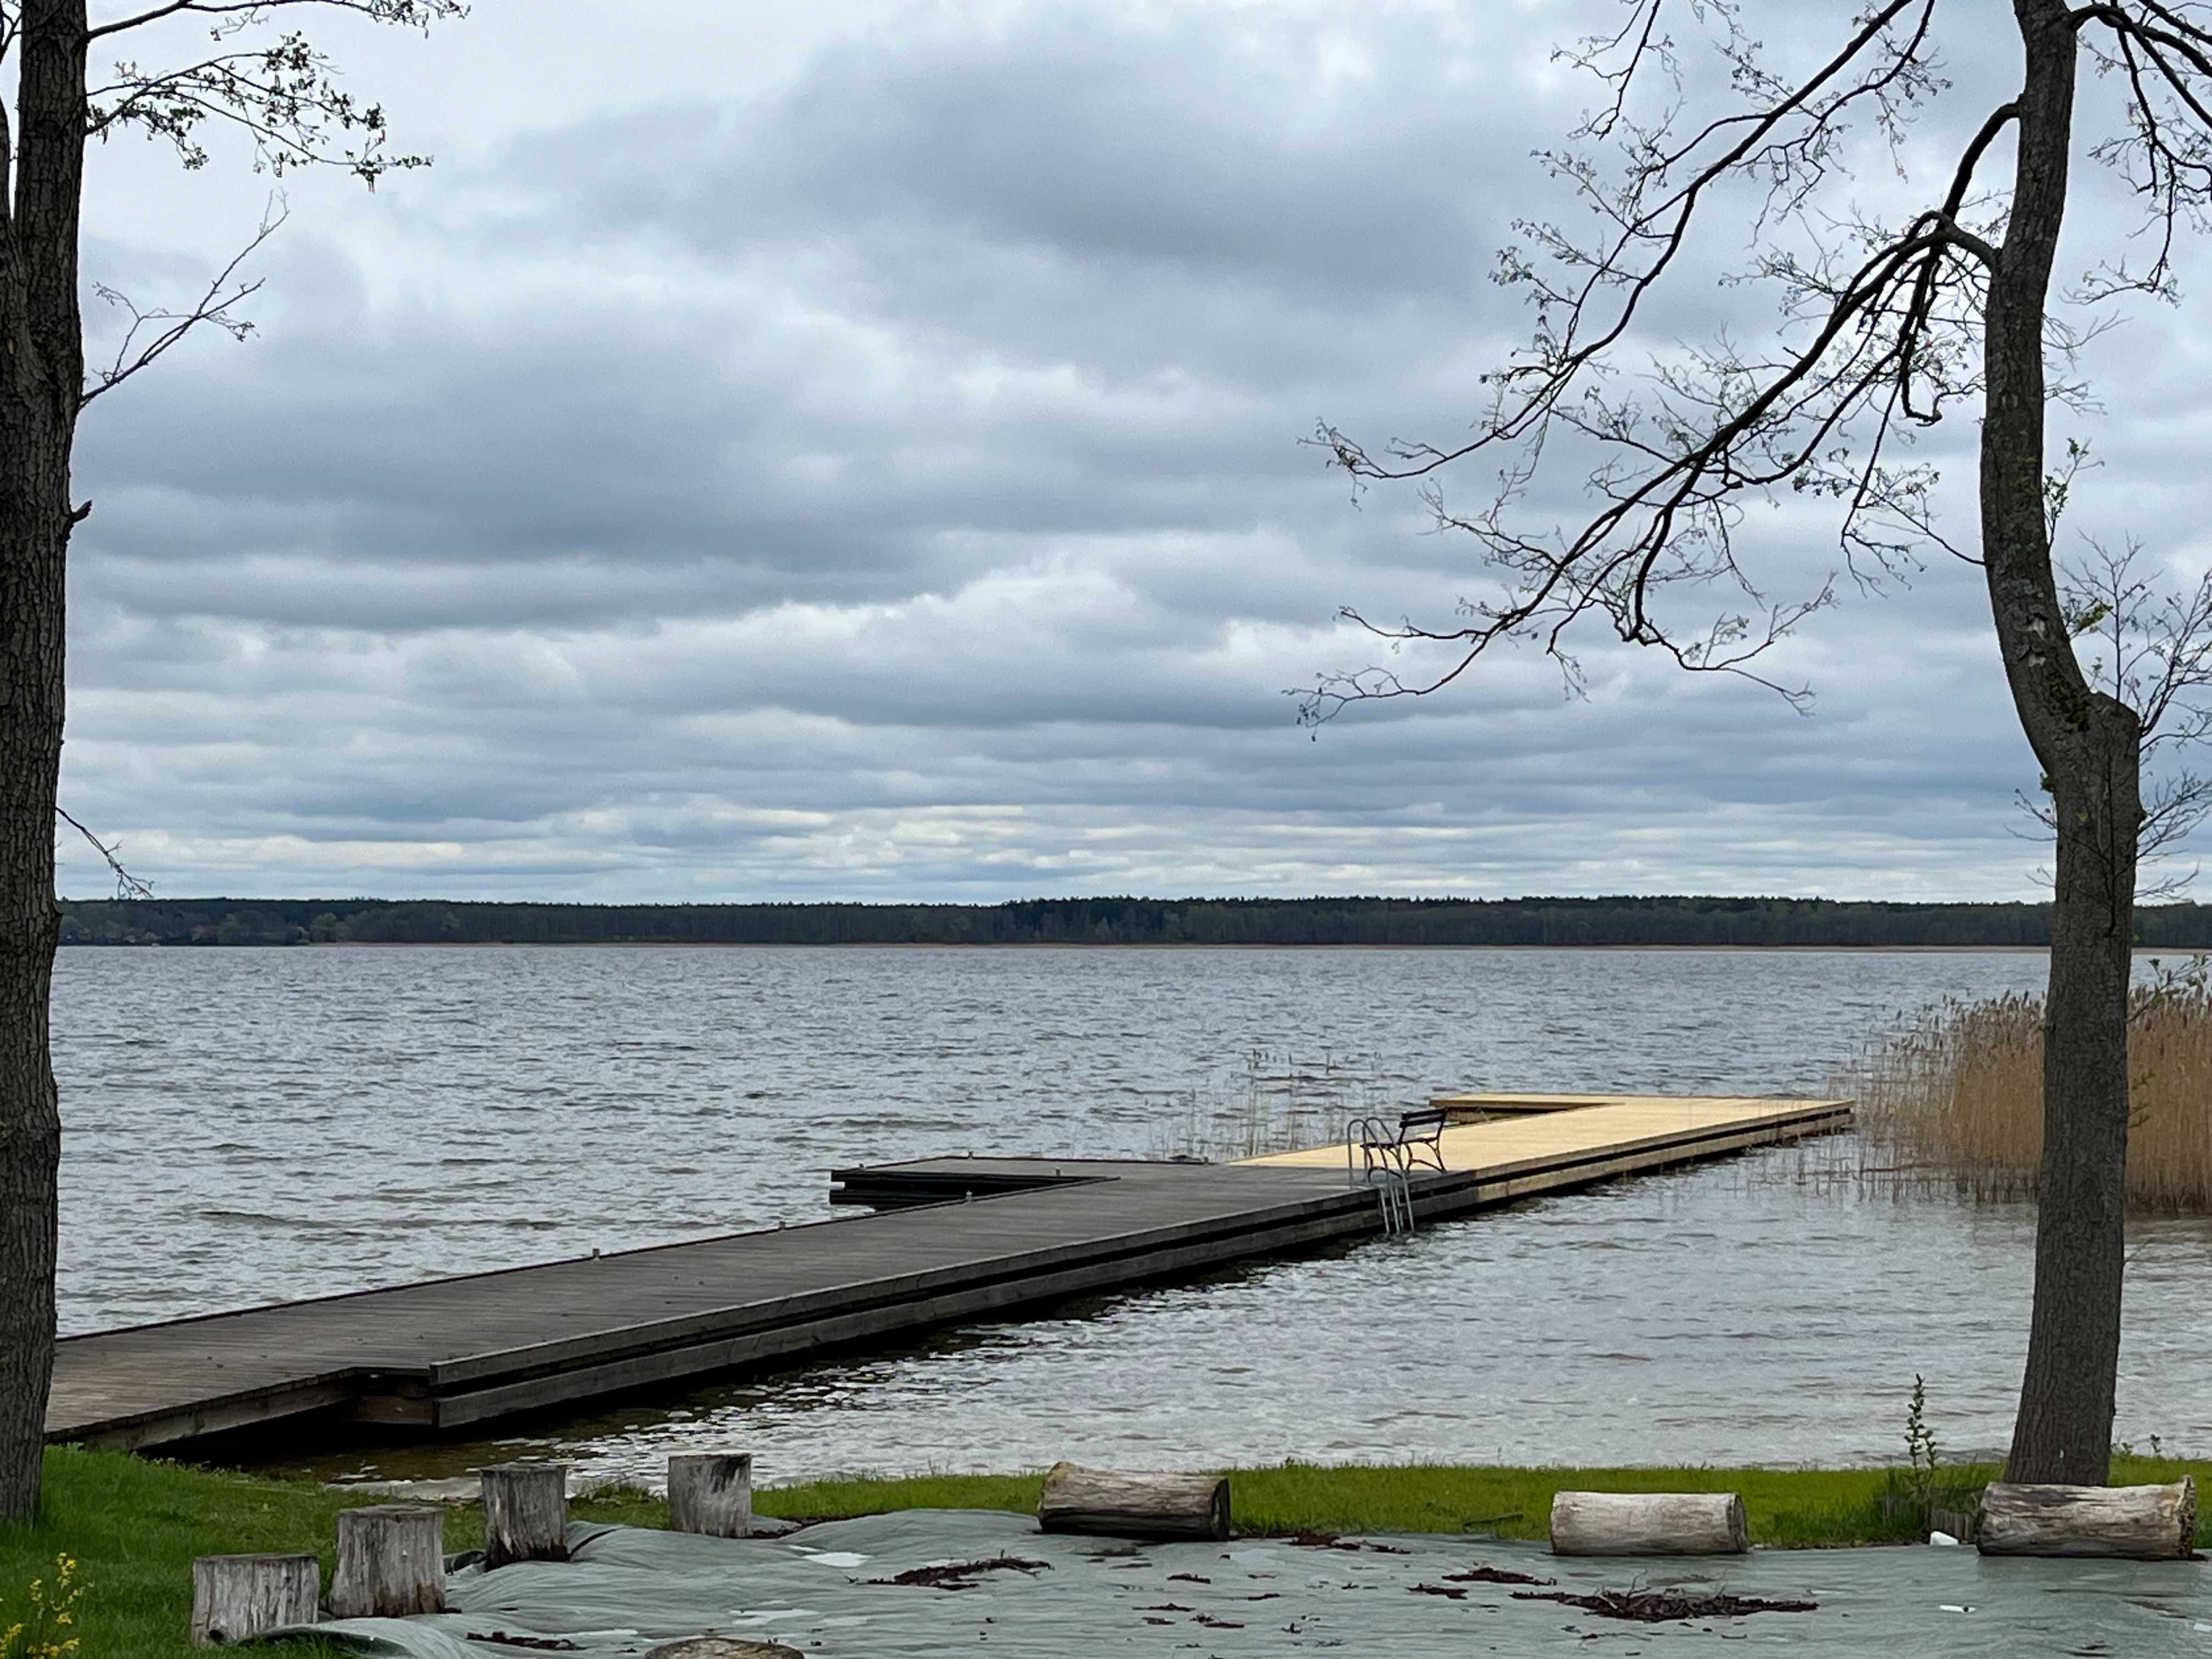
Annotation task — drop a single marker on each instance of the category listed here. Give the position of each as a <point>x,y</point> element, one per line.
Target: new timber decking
<point>960,1238</point>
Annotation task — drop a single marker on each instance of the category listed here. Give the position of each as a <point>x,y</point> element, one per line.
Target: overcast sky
<point>778,457</point>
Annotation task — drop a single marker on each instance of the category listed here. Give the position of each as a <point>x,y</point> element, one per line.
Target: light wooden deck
<point>1548,1129</point>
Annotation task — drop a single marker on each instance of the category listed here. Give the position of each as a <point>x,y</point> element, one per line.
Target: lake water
<point>249,1126</point>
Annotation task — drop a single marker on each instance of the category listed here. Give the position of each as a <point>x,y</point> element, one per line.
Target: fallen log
<point>1647,1523</point>
<point>1119,1504</point>
<point>2137,1523</point>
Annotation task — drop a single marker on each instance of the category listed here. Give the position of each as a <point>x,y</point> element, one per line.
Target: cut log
<point>711,1492</point>
<point>525,1513</point>
<point>391,1562</point>
<point>1126,1506</point>
<point>2138,1523</point>
<point>238,1596</point>
<point>1647,1523</point>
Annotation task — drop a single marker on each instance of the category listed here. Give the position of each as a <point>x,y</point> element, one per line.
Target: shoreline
<point>1133,945</point>
<point>133,1526</point>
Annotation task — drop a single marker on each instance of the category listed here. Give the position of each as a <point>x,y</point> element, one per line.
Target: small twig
<point>127,886</point>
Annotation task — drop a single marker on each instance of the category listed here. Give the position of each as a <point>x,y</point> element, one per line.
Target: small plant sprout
<point>1920,1446</point>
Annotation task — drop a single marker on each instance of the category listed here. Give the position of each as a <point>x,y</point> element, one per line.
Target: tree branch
<point>127,886</point>
<point>213,306</point>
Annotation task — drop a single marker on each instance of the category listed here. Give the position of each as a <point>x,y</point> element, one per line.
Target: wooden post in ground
<point>711,1492</point>
<point>2141,1523</point>
<point>525,1513</point>
<point>237,1596</point>
<point>1126,1505</point>
<point>391,1562</point>
<point>1647,1523</point>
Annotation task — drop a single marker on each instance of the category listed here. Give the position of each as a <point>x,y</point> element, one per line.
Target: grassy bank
<point>133,1526</point>
<point>1785,1508</point>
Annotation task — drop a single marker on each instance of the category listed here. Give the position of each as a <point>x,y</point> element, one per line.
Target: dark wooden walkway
<point>462,1350</point>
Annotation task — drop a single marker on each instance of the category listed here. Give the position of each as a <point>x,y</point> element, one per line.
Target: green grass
<point>1787,1508</point>
<point>134,1525</point>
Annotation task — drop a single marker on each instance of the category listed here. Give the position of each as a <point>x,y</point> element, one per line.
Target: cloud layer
<point>767,459</point>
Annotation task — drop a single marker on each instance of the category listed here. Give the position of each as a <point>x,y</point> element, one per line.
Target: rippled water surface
<point>251,1126</point>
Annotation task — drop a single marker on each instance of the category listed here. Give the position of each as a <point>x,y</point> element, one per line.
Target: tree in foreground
<point>1902,298</point>
<point>228,64</point>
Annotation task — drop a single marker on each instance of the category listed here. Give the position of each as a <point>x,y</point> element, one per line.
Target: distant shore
<point>1133,945</point>
<point>1628,923</point>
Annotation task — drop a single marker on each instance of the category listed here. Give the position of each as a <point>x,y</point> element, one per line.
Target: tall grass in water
<point>1957,1099</point>
<point>1279,1102</point>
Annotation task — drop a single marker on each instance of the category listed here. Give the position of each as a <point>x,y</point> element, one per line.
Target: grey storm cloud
<point>867,462</point>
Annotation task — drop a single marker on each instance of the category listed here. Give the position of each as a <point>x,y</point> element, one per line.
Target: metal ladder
<point>1393,1191</point>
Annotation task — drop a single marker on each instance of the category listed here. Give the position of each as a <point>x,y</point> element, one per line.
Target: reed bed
<point>1956,1099</point>
<point>1278,1102</point>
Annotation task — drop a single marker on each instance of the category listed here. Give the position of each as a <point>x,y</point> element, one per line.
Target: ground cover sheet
<point>820,1591</point>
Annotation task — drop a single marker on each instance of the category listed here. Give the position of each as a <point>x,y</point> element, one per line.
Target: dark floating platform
<point>953,1239</point>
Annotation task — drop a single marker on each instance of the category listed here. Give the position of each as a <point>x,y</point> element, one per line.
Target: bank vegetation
<point>1955,1099</point>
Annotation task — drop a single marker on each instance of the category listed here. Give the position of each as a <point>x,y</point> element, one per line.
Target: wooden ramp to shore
<point>957,1239</point>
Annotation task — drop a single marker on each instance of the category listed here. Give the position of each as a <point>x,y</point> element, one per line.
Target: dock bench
<point>1419,1139</point>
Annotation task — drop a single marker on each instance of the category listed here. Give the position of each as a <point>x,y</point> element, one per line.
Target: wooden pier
<point>953,1239</point>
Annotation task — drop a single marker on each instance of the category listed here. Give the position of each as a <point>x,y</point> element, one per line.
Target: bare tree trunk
<point>41,376</point>
<point>2064,1429</point>
<point>2090,745</point>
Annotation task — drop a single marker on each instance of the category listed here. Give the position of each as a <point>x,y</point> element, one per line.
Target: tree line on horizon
<point>1623,920</point>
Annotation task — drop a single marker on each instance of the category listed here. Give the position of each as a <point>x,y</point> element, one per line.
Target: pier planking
<point>960,1238</point>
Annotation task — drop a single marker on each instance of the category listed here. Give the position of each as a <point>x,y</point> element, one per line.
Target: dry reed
<point>1957,1099</point>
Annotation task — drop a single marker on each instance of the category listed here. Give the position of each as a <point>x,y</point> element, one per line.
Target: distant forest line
<point>1523,922</point>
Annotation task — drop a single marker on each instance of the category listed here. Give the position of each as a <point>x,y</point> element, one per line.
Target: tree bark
<point>2090,747</point>
<point>41,378</point>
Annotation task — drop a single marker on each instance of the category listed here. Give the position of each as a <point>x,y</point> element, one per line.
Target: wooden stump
<point>391,1562</point>
<point>2139,1524</point>
<point>711,1492</point>
<point>525,1513</point>
<point>235,1596</point>
<point>1647,1523</point>
<point>1125,1505</point>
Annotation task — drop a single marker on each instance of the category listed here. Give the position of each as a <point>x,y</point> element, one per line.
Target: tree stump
<point>1647,1523</point>
<point>1126,1506</point>
<point>391,1562</point>
<point>525,1513</point>
<point>2137,1523</point>
<point>711,1492</point>
<point>236,1597</point>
